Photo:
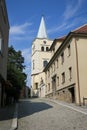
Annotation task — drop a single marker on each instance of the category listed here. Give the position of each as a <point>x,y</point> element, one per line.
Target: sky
<point>61,17</point>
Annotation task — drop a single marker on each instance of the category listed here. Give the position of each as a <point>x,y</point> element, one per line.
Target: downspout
<point>77,72</point>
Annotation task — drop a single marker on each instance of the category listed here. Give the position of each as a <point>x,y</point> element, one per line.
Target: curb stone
<point>15,118</point>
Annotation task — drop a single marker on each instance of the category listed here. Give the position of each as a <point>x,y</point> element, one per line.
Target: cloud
<point>72,17</point>
<point>19,29</point>
<point>61,28</point>
<point>21,33</point>
<point>56,28</point>
<point>71,8</point>
<point>17,38</point>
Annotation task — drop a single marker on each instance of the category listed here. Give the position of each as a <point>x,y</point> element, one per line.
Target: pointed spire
<point>42,29</point>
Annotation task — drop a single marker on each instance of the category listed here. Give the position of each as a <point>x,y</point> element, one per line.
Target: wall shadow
<point>27,108</point>
<point>7,112</point>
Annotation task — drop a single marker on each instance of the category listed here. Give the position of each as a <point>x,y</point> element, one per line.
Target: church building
<point>40,57</point>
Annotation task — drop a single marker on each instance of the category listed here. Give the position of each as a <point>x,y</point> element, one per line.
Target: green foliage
<point>15,68</point>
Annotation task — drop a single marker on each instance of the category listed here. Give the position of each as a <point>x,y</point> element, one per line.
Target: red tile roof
<point>61,38</point>
<point>82,29</point>
<point>55,41</point>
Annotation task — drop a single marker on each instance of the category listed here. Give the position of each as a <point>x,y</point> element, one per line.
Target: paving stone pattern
<point>44,115</point>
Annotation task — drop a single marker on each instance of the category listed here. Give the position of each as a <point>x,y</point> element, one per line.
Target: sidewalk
<point>81,109</point>
<point>8,117</point>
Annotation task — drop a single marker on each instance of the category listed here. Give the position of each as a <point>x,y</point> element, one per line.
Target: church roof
<point>42,29</point>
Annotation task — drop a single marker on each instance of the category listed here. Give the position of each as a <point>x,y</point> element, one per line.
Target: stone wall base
<point>64,95</point>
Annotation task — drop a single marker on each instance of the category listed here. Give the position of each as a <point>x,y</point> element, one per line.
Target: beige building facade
<point>65,74</point>
<point>4,34</point>
<point>40,57</point>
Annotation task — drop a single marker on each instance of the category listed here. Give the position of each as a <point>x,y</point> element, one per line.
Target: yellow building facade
<point>65,74</point>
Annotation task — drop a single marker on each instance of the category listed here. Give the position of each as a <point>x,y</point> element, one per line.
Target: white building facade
<point>40,57</point>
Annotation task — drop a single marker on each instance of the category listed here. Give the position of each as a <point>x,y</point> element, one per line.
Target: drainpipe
<point>77,72</point>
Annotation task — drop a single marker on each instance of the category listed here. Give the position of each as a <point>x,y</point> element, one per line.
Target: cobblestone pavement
<point>36,114</point>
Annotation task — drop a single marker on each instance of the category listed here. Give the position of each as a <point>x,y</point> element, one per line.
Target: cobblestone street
<point>36,114</point>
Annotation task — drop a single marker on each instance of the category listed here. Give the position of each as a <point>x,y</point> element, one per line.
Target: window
<point>36,85</point>
<point>42,48</point>
<point>45,63</point>
<point>62,58</point>
<point>63,78</point>
<point>48,86</point>
<point>70,73</point>
<point>69,50</point>
<point>57,63</point>
<point>53,50</point>
<point>54,66</point>
<point>58,81</point>
<point>47,48</point>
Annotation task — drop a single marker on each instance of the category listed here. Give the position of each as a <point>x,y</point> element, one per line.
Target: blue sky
<point>61,17</point>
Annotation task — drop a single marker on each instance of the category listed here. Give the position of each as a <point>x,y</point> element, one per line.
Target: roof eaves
<point>71,34</point>
<point>58,50</point>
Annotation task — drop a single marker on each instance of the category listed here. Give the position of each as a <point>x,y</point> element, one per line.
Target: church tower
<point>40,57</point>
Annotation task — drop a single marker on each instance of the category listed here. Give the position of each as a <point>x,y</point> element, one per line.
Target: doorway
<point>72,91</point>
<point>54,85</point>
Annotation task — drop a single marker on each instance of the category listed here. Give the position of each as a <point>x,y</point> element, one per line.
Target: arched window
<point>47,48</point>
<point>42,48</point>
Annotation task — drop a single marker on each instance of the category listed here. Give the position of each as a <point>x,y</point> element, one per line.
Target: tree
<point>15,57</point>
<point>15,73</point>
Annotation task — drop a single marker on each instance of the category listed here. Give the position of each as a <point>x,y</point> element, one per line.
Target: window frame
<point>57,80</point>
<point>42,48</point>
<point>69,50</point>
<point>57,63</point>
<point>47,48</point>
<point>48,86</point>
<point>63,77</point>
<point>62,58</point>
<point>70,73</point>
<point>44,64</point>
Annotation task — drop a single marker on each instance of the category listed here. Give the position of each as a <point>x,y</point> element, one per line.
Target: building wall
<point>82,66</point>
<point>54,49</point>
<point>61,68</point>
<point>4,34</point>
<point>38,57</point>
<point>73,89</point>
